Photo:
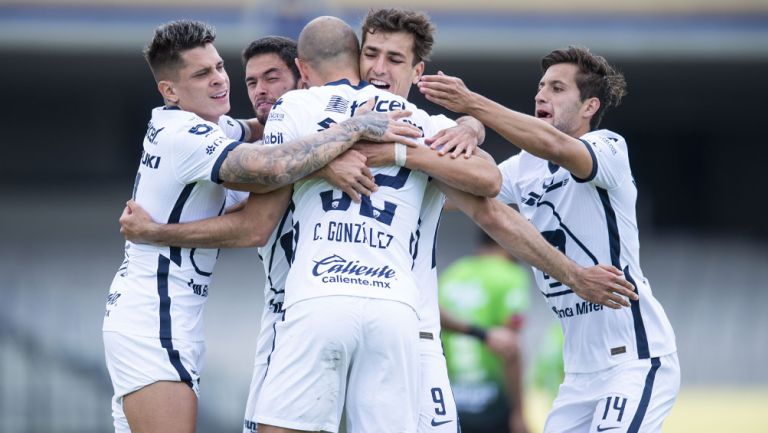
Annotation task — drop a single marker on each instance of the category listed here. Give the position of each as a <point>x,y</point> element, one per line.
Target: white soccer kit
<point>159,292</point>
<point>351,278</point>
<point>592,221</point>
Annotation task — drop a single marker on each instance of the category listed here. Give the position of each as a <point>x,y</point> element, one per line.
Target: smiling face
<point>558,101</point>
<point>201,85</point>
<point>267,78</point>
<point>386,62</point>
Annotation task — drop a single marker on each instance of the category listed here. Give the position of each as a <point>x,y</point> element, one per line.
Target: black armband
<point>478,332</point>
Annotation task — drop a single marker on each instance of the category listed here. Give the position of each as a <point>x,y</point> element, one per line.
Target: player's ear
<point>590,106</point>
<point>168,91</point>
<point>302,69</point>
<point>418,71</point>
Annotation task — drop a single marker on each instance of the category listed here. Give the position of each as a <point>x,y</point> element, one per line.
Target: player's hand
<point>604,285</point>
<point>383,127</point>
<point>376,154</point>
<point>503,341</point>
<point>350,173</point>
<point>449,92</point>
<point>456,140</point>
<point>136,224</point>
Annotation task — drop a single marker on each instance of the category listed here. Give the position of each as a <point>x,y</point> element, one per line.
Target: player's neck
<point>351,75</point>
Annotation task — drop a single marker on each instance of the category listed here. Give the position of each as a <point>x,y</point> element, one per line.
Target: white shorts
<point>135,362</point>
<point>632,397</point>
<point>437,408</point>
<point>336,349</point>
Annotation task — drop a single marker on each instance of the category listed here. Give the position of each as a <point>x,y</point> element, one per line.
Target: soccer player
<point>574,183</point>
<point>350,290</point>
<point>152,326</point>
<point>483,298</point>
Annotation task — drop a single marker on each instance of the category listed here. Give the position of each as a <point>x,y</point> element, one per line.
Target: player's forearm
<point>452,323</point>
<point>476,125</point>
<point>226,231</point>
<point>524,131</point>
<point>513,372</point>
<point>284,164</point>
<point>475,175</point>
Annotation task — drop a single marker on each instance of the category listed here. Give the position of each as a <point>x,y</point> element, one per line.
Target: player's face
<point>387,62</point>
<point>203,84</point>
<point>558,101</point>
<point>267,77</point>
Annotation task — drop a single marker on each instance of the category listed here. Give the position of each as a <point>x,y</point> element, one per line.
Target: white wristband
<point>401,152</point>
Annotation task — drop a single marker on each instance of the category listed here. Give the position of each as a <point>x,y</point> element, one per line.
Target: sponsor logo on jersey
<point>580,309</point>
<point>353,233</point>
<point>436,423</point>
<point>275,117</point>
<point>112,298</point>
<point>273,138</point>
<point>198,289</point>
<point>152,133</point>
<point>150,161</point>
<point>337,269</point>
<point>337,104</point>
<point>381,105</point>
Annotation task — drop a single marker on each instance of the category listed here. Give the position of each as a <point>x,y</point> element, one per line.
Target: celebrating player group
<point>340,182</point>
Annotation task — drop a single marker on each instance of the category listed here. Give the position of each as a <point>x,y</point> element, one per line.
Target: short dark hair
<point>283,47</point>
<point>171,39</point>
<point>596,78</point>
<point>415,23</point>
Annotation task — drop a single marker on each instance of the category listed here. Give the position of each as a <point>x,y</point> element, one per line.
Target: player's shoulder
<point>177,122</point>
<point>604,136</point>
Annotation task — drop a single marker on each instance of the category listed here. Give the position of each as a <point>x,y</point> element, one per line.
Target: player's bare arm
<point>462,138</point>
<point>601,284</point>
<point>526,132</point>
<point>476,175</point>
<point>273,166</point>
<point>249,227</point>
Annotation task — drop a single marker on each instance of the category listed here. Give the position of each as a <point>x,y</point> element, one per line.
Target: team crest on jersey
<point>337,104</point>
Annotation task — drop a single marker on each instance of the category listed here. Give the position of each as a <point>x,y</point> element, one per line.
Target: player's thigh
<point>169,407</point>
<point>437,408</point>
<point>383,389</point>
<point>135,362</point>
<point>306,376</point>
<point>639,395</point>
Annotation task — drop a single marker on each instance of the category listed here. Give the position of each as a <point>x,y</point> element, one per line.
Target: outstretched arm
<point>248,227</point>
<point>476,175</point>
<point>601,284</point>
<point>526,132</point>
<point>273,166</point>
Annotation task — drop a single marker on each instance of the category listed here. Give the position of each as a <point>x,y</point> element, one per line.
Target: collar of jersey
<point>362,84</point>
<point>171,107</point>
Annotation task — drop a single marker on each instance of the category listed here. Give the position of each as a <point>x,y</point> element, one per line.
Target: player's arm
<point>253,129</point>
<point>248,227</point>
<point>526,132</point>
<point>476,175</point>
<point>266,168</point>
<point>350,173</point>
<point>601,284</point>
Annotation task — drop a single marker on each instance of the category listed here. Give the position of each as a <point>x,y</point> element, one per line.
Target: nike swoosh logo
<point>599,429</point>
<point>437,423</point>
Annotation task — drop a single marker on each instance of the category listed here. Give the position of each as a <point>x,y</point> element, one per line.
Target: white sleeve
<point>510,168</point>
<point>290,120</point>
<point>440,122</point>
<point>610,161</point>
<point>235,197</point>
<point>232,128</point>
<point>200,151</point>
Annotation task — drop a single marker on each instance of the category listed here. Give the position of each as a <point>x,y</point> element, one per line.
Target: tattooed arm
<point>259,168</point>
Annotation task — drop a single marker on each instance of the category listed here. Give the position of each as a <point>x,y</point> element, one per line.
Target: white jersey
<point>425,265</point>
<point>160,291</point>
<point>345,248</point>
<point>591,221</point>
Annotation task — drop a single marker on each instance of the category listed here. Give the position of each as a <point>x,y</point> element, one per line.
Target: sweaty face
<point>267,78</point>
<point>202,86</point>
<point>387,62</point>
<point>558,101</point>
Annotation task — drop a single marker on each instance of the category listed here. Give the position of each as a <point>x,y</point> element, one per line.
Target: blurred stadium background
<point>76,99</point>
